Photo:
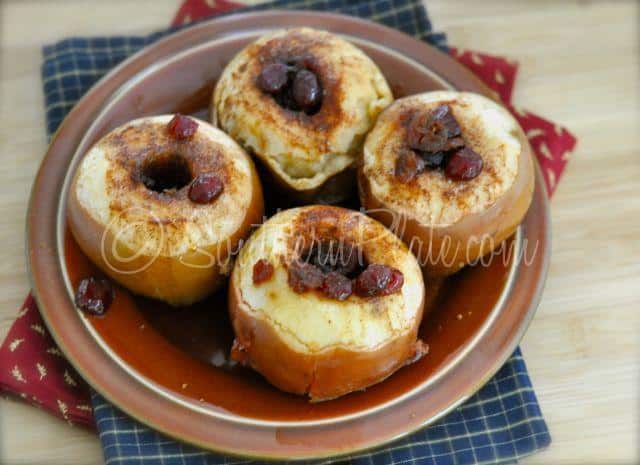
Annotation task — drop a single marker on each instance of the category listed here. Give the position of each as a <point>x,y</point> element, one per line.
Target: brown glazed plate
<point>170,369</point>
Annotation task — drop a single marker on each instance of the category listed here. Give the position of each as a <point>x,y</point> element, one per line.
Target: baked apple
<point>451,173</point>
<point>160,203</point>
<point>325,301</point>
<point>302,101</point>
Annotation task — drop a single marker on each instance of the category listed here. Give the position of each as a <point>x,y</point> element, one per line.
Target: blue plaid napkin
<point>499,424</point>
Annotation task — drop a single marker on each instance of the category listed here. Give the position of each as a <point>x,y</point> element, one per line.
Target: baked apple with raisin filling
<point>302,101</point>
<point>451,173</point>
<point>160,203</point>
<point>325,301</point>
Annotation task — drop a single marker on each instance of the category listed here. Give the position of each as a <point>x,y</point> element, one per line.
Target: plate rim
<point>285,17</point>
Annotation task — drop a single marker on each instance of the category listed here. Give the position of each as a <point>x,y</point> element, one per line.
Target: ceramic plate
<point>170,369</point>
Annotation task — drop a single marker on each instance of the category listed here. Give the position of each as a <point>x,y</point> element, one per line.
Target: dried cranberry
<point>378,280</point>
<point>306,90</point>
<point>337,286</point>
<point>304,276</point>
<point>463,165</point>
<point>94,296</point>
<point>205,188</point>
<point>262,271</point>
<point>408,165</point>
<point>182,127</point>
<point>273,78</point>
<point>435,136</point>
<point>395,282</point>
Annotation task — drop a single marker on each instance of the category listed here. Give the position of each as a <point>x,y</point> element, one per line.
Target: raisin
<point>463,165</point>
<point>435,131</point>
<point>408,165</point>
<point>444,114</point>
<point>306,90</point>
<point>273,78</point>
<point>182,127</point>
<point>94,296</point>
<point>305,61</point>
<point>262,271</point>
<point>292,84</point>
<point>426,134</point>
<point>337,286</point>
<point>322,272</point>
<point>435,136</point>
<point>432,160</point>
<point>378,280</point>
<point>205,188</point>
<point>303,276</point>
<point>453,143</point>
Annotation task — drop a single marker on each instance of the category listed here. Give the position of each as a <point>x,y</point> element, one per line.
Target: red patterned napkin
<point>551,143</point>
<point>33,368</point>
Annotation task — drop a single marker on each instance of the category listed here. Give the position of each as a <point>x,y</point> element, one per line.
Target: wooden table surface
<point>579,66</point>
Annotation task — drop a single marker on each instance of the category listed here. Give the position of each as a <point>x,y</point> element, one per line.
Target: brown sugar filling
<point>434,141</point>
<point>338,270</point>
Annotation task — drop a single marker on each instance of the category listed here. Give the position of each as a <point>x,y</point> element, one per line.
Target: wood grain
<point>579,66</point>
